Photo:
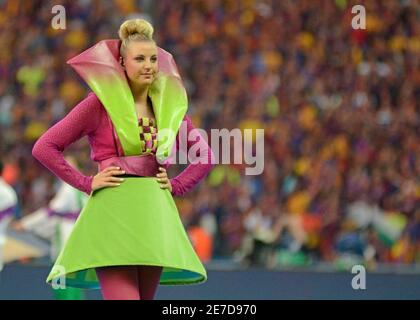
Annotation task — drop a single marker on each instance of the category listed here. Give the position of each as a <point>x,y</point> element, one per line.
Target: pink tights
<point>129,282</point>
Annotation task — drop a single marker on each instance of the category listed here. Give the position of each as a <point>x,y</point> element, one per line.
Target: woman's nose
<point>147,65</point>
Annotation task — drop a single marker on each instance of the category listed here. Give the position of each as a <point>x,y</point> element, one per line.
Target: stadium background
<point>340,109</point>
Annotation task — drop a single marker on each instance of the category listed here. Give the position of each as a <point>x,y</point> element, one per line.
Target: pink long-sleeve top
<point>90,118</point>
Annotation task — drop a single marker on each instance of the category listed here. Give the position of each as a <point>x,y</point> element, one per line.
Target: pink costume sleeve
<point>80,121</point>
<point>194,172</point>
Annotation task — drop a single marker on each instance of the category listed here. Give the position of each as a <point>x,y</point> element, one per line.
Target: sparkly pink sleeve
<point>48,149</point>
<point>195,171</point>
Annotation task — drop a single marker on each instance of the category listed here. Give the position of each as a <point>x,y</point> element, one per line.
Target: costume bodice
<point>148,135</point>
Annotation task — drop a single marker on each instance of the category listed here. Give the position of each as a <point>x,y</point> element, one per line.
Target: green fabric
<point>69,294</point>
<point>115,95</point>
<point>390,227</point>
<point>136,223</point>
<point>167,93</point>
<point>287,258</point>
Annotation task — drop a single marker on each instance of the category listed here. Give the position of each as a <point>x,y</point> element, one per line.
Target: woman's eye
<point>142,59</point>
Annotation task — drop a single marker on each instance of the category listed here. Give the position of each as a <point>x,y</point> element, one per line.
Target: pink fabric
<point>89,118</point>
<point>129,282</point>
<point>107,53</point>
<point>145,165</point>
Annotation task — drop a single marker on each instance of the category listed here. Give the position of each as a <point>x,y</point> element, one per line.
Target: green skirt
<point>136,223</point>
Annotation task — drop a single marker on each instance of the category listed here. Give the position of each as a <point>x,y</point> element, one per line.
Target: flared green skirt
<point>136,223</point>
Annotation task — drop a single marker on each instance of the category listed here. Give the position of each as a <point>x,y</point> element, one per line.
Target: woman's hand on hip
<point>106,178</point>
<point>162,178</point>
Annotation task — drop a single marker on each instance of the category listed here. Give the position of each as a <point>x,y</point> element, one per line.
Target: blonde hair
<point>134,30</point>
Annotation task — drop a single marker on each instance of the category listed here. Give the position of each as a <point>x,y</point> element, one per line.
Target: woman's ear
<point>122,62</point>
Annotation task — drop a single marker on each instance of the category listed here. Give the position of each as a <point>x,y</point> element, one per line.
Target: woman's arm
<point>194,172</point>
<point>81,120</point>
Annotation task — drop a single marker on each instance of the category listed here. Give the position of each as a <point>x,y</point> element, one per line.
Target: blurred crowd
<point>340,109</point>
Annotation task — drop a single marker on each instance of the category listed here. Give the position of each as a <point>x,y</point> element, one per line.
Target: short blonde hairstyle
<point>134,30</point>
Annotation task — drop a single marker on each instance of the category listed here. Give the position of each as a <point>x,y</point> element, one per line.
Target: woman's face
<point>140,62</point>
